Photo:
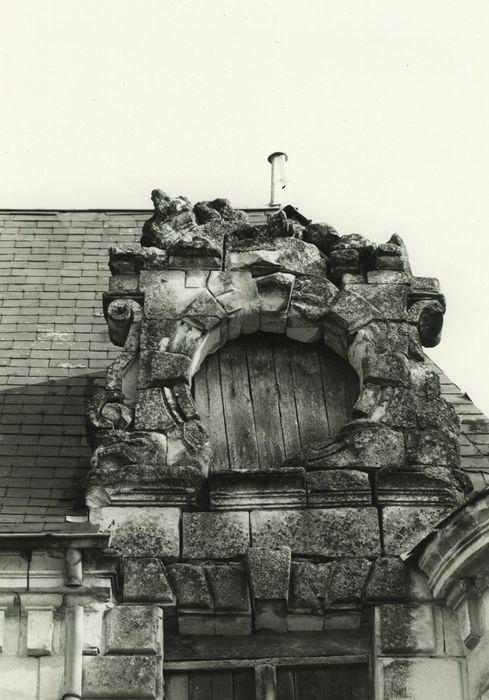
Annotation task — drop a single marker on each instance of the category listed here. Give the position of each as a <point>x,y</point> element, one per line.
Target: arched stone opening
<point>264,397</point>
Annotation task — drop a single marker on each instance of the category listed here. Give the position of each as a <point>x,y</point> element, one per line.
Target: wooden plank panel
<point>287,407</point>
<point>340,387</point>
<point>310,684</point>
<point>222,685</point>
<point>265,398</point>
<point>338,682</point>
<point>309,395</point>
<point>241,431</point>
<point>200,685</point>
<point>244,685</point>
<point>285,684</point>
<point>359,682</point>
<point>215,420</point>
<point>176,686</point>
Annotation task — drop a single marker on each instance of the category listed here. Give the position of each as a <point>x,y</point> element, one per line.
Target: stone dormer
<point>285,497</point>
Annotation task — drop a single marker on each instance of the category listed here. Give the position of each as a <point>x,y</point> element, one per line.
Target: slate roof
<point>54,348</point>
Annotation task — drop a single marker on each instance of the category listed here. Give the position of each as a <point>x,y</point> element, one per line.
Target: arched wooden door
<point>263,397</point>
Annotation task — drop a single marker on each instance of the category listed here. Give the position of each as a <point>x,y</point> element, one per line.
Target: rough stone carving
<point>205,275</point>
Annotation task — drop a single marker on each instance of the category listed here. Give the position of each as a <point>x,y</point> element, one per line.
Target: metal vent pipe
<point>279,181</point>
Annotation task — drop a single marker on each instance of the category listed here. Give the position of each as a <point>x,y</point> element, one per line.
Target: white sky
<point>382,106</point>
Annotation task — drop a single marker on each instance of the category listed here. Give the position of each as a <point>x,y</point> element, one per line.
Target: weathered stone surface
<point>234,624</point>
<point>412,679</point>
<point>271,615</point>
<point>316,586</point>
<point>145,580</point>
<point>190,585</point>
<point>321,235</point>
<point>134,629</point>
<point>274,292</point>
<point>387,368</point>
<point>274,255</point>
<point>146,532</point>
<point>169,368</point>
<point>390,300</point>
<point>269,572</point>
<point>404,526</point>
<point>407,629</point>
<point>425,486</point>
<point>311,298</point>
<point>229,586</point>
<point>299,622</point>
<point>361,444</point>
<point>331,532</point>
<point>393,579</point>
<point>438,448</point>
<point>191,623</point>
<point>215,535</point>
<point>342,620</point>
<point>351,311</point>
<point>233,490</point>
<point>337,487</point>
<point>121,677</point>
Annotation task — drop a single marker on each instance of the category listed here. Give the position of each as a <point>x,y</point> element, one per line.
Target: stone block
<point>390,300</point>
<point>274,292</point>
<point>351,311</point>
<point>404,526</point>
<point>46,570</point>
<point>132,677</point>
<point>40,626</point>
<point>342,620</point>
<point>145,580</point>
<point>315,586</point>
<point>337,487</point>
<point>311,298</point>
<point>323,236</point>
<point>14,571</point>
<point>269,572</point>
<point>271,615</point>
<point>388,277</point>
<point>190,585</point>
<point>169,368</point>
<point>299,622</point>
<point>51,678</point>
<point>437,448</point>
<point>230,490</point>
<point>18,678</point>
<point>388,368</point>
<point>393,579</point>
<point>332,532</point>
<point>346,580</point>
<point>229,586</point>
<point>413,679</point>
<point>146,532</point>
<point>123,283</point>
<point>93,619</point>
<point>189,623</point>
<point>359,445</point>
<point>236,624</point>
<point>276,255</point>
<point>215,535</point>
<point>407,629</point>
<point>134,629</point>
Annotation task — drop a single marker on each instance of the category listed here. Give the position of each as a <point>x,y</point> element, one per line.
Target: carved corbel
<point>426,311</point>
